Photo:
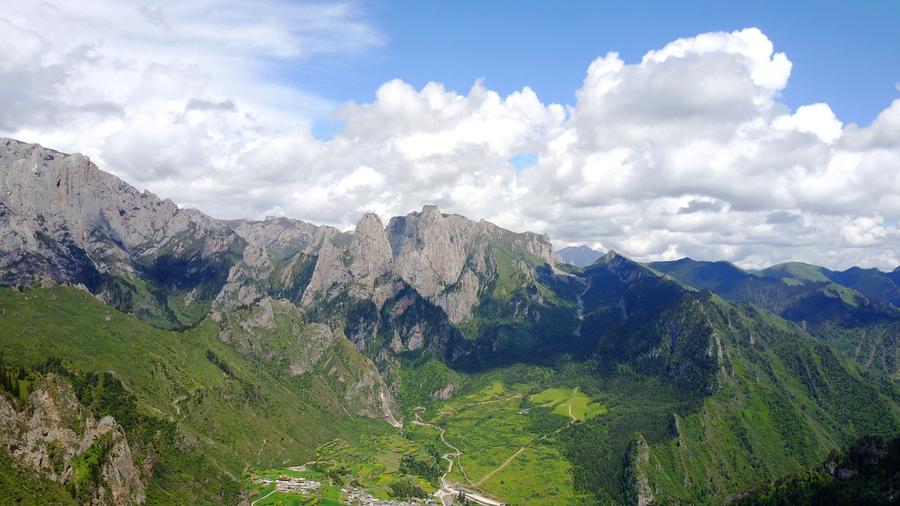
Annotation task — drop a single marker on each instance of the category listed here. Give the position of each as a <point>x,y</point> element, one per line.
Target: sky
<point>755,132</point>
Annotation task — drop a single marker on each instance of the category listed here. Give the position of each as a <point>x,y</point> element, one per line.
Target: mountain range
<point>855,310</point>
<point>154,354</point>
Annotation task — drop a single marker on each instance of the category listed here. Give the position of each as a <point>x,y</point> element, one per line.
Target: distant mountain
<point>579,256</point>
<point>875,284</point>
<point>226,347</point>
<point>721,276</point>
<point>796,271</point>
<point>859,317</point>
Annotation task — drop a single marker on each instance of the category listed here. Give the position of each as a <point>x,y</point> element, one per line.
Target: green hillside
<point>873,283</point>
<point>717,276</point>
<point>862,325</point>
<point>724,396</point>
<point>866,473</point>
<point>23,487</point>
<point>663,391</point>
<point>238,412</point>
<point>784,401</point>
<point>796,272</point>
<point>781,402</point>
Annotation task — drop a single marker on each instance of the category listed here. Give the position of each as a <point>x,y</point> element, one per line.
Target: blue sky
<point>844,53</point>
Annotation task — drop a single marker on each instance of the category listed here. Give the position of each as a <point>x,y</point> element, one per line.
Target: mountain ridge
<point>863,324</point>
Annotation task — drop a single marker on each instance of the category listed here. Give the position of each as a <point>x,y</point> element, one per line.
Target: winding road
<point>263,497</point>
<point>449,490</point>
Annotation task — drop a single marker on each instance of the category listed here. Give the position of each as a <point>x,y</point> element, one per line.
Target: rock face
<point>65,220</point>
<point>447,258</point>
<point>637,485</point>
<point>359,270</point>
<point>279,259</point>
<point>54,435</point>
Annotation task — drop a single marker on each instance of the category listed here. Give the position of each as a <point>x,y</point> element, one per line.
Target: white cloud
<point>752,48</point>
<point>816,119</point>
<point>688,151</point>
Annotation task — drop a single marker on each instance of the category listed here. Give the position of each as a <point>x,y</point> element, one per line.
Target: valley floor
<point>495,447</point>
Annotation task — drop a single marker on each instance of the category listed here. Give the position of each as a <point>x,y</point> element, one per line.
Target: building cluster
<point>358,497</point>
<point>290,484</point>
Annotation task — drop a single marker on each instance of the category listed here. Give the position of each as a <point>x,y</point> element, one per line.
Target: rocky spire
<point>358,268</point>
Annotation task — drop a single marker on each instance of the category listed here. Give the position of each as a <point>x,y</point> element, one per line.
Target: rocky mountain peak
<point>448,259</point>
<point>623,269</point>
<point>69,191</point>
<point>284,237</point>
<point>357,268</point>
<point>370,248</point>
<point>431,248</point>
<point>369,227</point>
<point>611,256</point>
<point>431,213</point>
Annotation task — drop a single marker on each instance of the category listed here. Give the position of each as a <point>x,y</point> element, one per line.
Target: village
<point>358,497</point>
<point>290,484</point>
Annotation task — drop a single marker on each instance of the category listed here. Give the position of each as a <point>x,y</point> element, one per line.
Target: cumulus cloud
<point>689,151</point>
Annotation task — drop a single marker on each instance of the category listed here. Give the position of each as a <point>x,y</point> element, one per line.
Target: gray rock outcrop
<point>358,269</point>
<point>278,260</point>
<point>637,484</point>
<point>49,436</point>
<point>447,258</point>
